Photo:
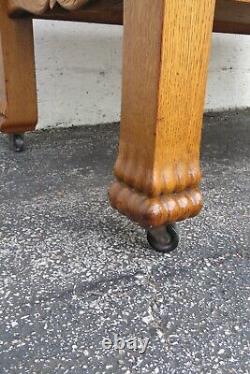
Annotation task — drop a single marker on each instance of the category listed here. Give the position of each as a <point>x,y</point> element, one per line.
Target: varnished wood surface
<point>18,100</point>
<point>231,16</point>
<point>166,47</point>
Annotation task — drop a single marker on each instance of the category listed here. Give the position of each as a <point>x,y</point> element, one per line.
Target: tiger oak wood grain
<point>18,100</point>
<point>157,169</point>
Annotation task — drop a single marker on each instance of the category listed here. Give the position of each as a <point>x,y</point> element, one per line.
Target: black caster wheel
<point>164,239</point>
<point>16,142</point>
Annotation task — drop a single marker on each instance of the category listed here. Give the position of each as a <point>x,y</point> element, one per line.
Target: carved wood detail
<point>155,211</point>
<point>39,7</point>
<point>166,49</point>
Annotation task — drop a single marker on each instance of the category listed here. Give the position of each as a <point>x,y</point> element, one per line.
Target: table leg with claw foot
<point>166,49</point>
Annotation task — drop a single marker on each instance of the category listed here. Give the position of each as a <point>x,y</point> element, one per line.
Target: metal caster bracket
<point>16,142</point>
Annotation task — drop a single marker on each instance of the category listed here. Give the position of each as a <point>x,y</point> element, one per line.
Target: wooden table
<point>165,63</point>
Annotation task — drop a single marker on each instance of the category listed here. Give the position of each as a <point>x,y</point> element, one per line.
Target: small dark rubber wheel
<point>164,239</point>
<point>16,142</point>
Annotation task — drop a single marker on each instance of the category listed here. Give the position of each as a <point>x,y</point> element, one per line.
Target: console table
<point>165,63</point>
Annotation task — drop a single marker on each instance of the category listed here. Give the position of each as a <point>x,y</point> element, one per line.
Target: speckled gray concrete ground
<point>73,271</point>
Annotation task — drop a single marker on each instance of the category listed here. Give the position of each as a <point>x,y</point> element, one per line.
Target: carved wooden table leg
<point>166,49</point>
<point>18,102</point>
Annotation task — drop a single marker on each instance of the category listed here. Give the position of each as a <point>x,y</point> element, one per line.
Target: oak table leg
<point>18,100</point>
<point>166,50</point>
